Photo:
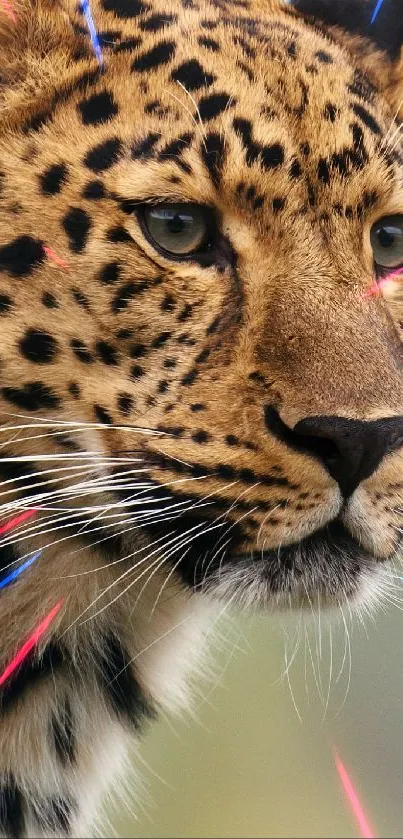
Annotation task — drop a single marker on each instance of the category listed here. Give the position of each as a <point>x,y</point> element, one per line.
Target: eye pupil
<point>176,224</point>
<point>386,237</point>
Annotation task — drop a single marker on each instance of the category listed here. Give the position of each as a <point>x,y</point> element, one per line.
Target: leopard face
<point>195,240</point>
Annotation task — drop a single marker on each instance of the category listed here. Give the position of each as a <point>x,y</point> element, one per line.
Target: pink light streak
<point>384,283</point>
<point>352,797</point>
<point>16,521</point>
<point>52,255</point>
<point>8,9</point>
<point>30,643</point>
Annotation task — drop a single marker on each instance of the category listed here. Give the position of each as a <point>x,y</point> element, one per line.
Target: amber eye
<point>178,229</point>
<point>387,242</point>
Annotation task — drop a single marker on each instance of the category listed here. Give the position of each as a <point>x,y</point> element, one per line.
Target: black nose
<point>351,450</point>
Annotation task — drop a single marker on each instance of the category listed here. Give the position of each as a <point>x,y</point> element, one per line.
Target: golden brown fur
<point>151,379</point>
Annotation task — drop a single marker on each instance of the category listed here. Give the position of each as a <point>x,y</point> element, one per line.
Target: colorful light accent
<point>86,8</point>
<point>376,10</point>
<point>30,643</point>
<point>9,525</point>
<point>352,797</point>
<point>17,571</point>
<point>53,257</point>
<point>8,9</point>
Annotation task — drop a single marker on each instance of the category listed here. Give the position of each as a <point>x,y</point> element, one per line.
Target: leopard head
<point>201,233</point>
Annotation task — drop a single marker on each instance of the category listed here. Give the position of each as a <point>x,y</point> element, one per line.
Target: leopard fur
<point>151,407</point>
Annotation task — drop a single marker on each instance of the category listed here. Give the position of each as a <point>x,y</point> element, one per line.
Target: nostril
<point>322,447</point>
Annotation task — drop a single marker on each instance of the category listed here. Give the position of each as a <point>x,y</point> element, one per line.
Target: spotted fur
<point>172,421</point>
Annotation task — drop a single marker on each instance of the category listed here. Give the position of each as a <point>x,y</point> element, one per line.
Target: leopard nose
<point>351,450</point>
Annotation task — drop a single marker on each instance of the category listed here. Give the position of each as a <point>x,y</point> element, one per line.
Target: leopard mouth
<point>329,564</point>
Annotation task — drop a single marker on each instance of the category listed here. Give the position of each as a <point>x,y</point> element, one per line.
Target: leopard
<point>201,389</point>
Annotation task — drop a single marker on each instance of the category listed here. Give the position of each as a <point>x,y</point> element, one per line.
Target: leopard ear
<point>379,20</point>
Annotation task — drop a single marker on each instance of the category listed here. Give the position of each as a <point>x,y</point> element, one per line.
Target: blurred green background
<point>245,764</point>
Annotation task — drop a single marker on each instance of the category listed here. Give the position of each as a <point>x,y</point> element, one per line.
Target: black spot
<point>107,353</point>
<point>109,37</point>
<point>11,809</point>
<point>21,256</point>
<point>295,170</point>
<point>157,22</point>
<point>209,44</point>
<point>118,235</point>
<point>94,190</point>
<point>32,396</point>
<point>104,155</point>
<point>77,224</point>
<point>213,105</point>
<point>102,415</point>
<point>168,304</point>
<point>38,346</point>
<point>81,299</point>
<point>138,350</point>
<point>270,157</point>
<point>128,45</point>
<point>362,87</point>
<point>292,49</point>
<point>125,9</point>
<point>170,363</point>
<point>159,55</point>
<point>197,406</point>
<point>367,119</point>
<point>118,682</point>
<point>49,300</point>
<point>5,304</point>
<point>74,390</point>
<point>109,274</point>
<point>174,149</point>
<point>231,440</point>
<point>201,437</point>
<point>161,339</point>
<point>203,356</point>
<point>145,147</point>
<point>31,671</point>
<point>190,377</point>
<point>163,386</point>
<point>63,735</point>
<point>213,154</point>
<point>323,171</point>
<point>324,57</point>
<point>156,107</point>
<point>126,293</point>
<point>278,204</point>
<point>52,180</point>
<point>136,372</point>
<point>81,351</point>
<point>36,122</point>
<point>125,403</point>
<point>98,108</point>
<point>192,75</point>
<point>330,112</point>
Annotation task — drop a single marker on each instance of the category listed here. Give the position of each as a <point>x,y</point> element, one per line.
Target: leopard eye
<point>178,229</point>
<point>387,242</point>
